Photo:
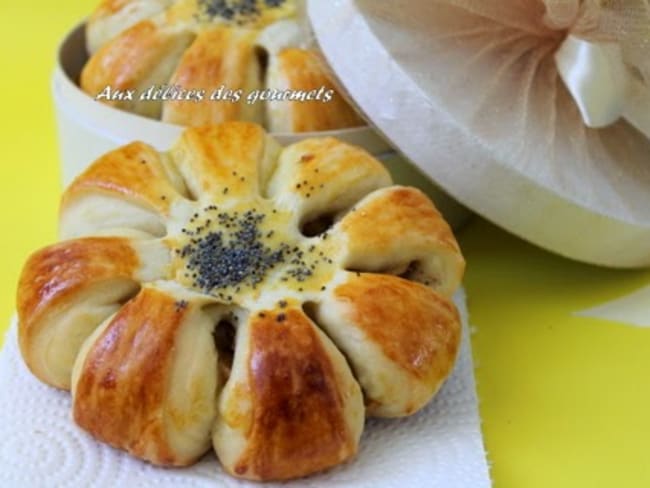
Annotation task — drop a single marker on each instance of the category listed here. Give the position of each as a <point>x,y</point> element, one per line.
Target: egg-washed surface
<point>236,253</point>
<point>255,286</point>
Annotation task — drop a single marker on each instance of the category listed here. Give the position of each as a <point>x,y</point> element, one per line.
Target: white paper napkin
<point>40,446</point>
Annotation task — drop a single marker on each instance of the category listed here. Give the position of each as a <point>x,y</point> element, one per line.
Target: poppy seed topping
<point>230,253</point>
<point>239,11</point>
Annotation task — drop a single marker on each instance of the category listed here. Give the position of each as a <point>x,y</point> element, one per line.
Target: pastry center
<point>234,254</point>
<point>242,12</point>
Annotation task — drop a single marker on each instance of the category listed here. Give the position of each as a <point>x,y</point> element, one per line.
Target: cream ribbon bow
<point>605,58</point>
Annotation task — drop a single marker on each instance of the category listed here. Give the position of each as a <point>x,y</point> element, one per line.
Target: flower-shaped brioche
<point>218,47</point>
<point>235,292</point>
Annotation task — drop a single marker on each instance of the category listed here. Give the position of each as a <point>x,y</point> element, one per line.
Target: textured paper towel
<point>41,446</point>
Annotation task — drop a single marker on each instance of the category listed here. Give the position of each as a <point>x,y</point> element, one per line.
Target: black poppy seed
<point>163,197</point>
<point>242,179</point>
<point>281,317</point>
<point>142,161</point>
<point>308,195</point>
<point>282,304</point>
<point>225,191</point>
<point>261,315</point>
<point>298,186</point>
<point>300,289</point>
<point>323,288</point>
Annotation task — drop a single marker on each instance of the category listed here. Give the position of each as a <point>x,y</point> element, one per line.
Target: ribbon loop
<point>604,60</point>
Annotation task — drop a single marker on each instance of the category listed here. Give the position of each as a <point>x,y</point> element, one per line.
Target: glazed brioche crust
<point>53,274</point>
<point>426,250</point>
<point>400,337</point>
<point>306,410</point>
<point>134,172</point>
<point>305,71</point>
<point>122,390</point>
<point>118,314</point>
<point>142,56</point>
<point>58,278</point>
<point>217,57</point>
<point>114,16</point>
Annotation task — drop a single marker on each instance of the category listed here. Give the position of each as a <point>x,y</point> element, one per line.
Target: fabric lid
<point>469,91</point>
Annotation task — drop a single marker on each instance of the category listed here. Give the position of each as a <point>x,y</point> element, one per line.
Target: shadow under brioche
<point>196,45</point>
<point>237,294</point>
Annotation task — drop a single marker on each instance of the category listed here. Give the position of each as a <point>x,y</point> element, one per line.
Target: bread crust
<point>305,71</point>
<point>299,424</point>
<point>218,57</point>
<point>54,278</point>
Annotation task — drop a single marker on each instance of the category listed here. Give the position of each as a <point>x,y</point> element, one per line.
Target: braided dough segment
<point>218,57</point>
<point>146,380</point>
<point>395,227</point>
<point>132,187</point>
<point>291,406</point>
<point>227,162</point>
<point>142,56</point>
<point>66,290</point>
<point>401,339</point>
<point>114,16</point>
<point>317,177</point>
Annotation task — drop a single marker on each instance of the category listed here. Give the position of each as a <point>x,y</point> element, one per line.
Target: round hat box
<point>602,217</point>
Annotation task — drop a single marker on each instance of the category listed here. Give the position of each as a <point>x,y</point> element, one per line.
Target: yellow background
<point>565,400</point>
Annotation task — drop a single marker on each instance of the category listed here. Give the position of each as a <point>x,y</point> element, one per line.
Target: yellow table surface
<point>564,399</point>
